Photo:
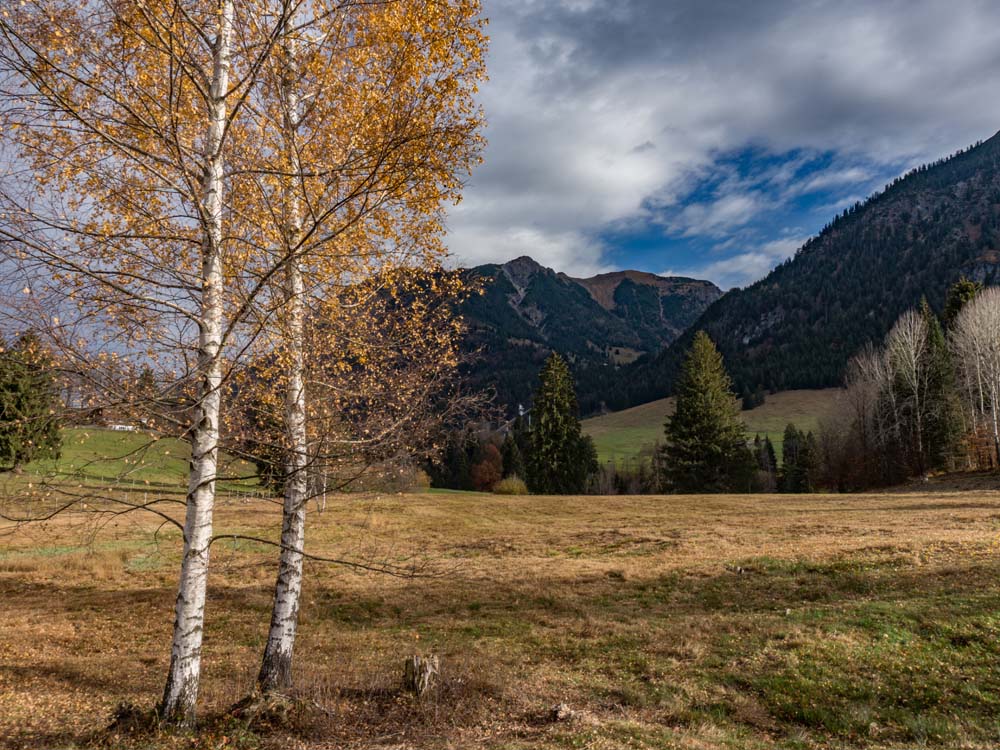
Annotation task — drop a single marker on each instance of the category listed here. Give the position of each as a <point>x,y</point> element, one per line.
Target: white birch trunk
<point>181,692</point>
<point>996,433</point>
<point>276,665</point>
<point>976,341</point>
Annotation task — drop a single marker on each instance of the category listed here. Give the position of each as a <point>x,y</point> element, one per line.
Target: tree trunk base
<point>420,674</point>
<point>268,710</point>
<point>275,672</point>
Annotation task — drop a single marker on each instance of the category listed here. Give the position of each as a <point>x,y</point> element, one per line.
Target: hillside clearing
<point>668,622</point>
<point>97,456</point>
<point>631,433</point>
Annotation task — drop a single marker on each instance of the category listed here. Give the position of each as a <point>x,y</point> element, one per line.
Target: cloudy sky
<point>709,138</point>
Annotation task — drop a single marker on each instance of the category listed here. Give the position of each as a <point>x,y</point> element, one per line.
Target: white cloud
<point>743,268</point>
<point>831,178</point>
<point>719,217</point>
<point>599,109</point>
<point>733,271</point>
<point>569,250</point>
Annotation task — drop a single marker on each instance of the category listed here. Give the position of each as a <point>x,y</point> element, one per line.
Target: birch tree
<point>117,122</point>
<point>906,350</point>
<point>181,691</point>
<point>356,201</point>
<point>975,341</point>
<point>186,176</point>
<point>903,398</point>
<point>868,380</point>
<point>874,445</point>
<point>276,666</point>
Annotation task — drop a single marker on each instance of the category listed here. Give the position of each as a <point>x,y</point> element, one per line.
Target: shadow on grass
<point>862,650</point>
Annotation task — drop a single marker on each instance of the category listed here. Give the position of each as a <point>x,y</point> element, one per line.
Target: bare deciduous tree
<point>906,354</point>
<point>975,342</point>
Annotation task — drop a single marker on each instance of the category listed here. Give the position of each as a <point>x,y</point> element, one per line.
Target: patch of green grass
<point>146,562</point>
<point>357,611</point>
<point>493,625</point>
<point>53,551</point>
<point>861,655</point>
<point>631,434</point>
<point>108,455</point>
<point>129,460</point>
<point>627,443</point>
<point>61,550</point>
<point>858,650</point>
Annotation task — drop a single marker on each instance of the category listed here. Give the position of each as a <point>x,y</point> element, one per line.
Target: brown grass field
<point>665,622</point>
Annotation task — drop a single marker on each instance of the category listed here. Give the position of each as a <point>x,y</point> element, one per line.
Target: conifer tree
<point>706,443</point>
<point>944,410</point>
<point>772,458</point>
<point>458,460</point>
<point>767,464</point>
<point>801,464</point>
<point>809,463</point>
<point>29,425</point>
<point>959,293</point>
<point>513,459</point>
<point>791,476</point>
<point>560,458</point>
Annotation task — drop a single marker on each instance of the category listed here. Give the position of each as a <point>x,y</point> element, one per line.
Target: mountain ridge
<point>798,326</point>
<point>528,310</point>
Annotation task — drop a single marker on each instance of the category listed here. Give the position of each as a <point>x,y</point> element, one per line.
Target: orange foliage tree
<point>190,182</point>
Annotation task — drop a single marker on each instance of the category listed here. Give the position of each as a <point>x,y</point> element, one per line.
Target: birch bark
<point>181,692</point>
<point>276,666</point>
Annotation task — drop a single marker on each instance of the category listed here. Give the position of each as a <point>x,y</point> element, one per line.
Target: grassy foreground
<point>633,432</point>
<point>664,622</point>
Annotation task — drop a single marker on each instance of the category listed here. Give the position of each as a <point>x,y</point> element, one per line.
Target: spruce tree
<point>772,457</point>
<point>560,458</point>
<point>943,419</point>
<point>513,459</point>
<point>800,468</point>
<point>809,463</point>
<point>466,447</point>
<point>767,464</point>
<point>29,399</point>
<point>706,443</point>
<point>959,293</point>
<point>791,469</point>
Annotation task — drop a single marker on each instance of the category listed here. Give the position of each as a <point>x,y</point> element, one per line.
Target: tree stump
<point>562,712</point>
<point>420,674</point>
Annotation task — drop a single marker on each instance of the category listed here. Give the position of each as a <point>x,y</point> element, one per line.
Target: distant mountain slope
<point>527,311</point>
<point>797,327</point>
<point>657,308</point>
<point>633,433</point>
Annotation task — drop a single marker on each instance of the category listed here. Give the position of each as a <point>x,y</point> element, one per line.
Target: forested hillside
<point>600,324</point>
<point>797,327</point>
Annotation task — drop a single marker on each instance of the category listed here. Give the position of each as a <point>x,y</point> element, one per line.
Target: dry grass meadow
<point>664,622</point>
